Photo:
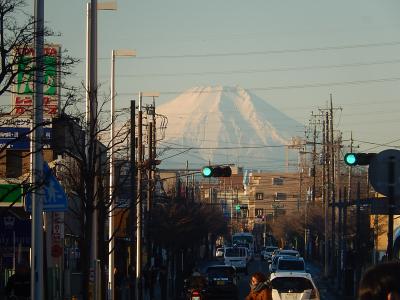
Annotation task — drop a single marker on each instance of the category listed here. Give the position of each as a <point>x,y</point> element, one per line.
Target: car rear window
<point>235,252</point>
<point>291,253</point>
<point>293,284</point>
<point>295,265</point>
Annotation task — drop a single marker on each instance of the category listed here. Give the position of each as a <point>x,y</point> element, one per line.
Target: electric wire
<point>266,52</point>
<point>289,87</point>
<point>254,71</point>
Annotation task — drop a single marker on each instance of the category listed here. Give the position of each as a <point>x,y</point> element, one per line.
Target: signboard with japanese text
<point>15,133</point>
<point>23,90</point>
<point>57,234</point>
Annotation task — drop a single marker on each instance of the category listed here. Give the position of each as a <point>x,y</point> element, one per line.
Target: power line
<point>377,144</point>
<point>265,52</point>
<point>387,143</point>
<point>252,71</point>
<point>287,87</point>
<point>226,148</point>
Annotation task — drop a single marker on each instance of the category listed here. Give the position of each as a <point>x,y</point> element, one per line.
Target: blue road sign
<point>55,198</point>
<point>17,138</point>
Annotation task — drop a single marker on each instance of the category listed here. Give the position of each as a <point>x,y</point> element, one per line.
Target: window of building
<point>280,196</point>
<point>259,196</point>
<point>277,181</point>
<point>259,212</point>
<point>14,163</point>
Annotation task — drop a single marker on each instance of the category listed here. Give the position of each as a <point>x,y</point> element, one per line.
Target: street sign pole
<point>37,159</point>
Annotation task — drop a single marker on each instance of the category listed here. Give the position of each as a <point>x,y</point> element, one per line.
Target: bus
<point>246,239</point>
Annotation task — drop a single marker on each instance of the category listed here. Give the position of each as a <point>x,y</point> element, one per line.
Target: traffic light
<point>216,171</point>
<point>237,207</point>
<point>361,159</point>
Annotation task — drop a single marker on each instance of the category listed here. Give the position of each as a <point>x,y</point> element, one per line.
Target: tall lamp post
<point>91,129</point>
<point>111,225</point>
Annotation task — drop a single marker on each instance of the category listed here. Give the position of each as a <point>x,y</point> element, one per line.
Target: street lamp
<point>111,283</point>
<point>91,127</point>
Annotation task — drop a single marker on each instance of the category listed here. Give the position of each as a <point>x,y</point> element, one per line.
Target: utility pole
<point>314,174</point>
<point>139,204</point>
<point>300,182</point>
<point>149,189</point>
<point>339,263</point>
<point>37,282</point>
<point>332,186</point>
<point>132,206</point>
<point>325,203</point>
<point>328,183</point>
<point>150,166</point>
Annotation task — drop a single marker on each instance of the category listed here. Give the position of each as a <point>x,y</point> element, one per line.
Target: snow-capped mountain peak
<point>226,125</point>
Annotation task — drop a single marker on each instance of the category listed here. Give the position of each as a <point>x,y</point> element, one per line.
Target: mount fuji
<point>225,125</point>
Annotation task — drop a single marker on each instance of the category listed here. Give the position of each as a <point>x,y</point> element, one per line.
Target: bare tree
<point>16,40</point>
<point>17,66</point>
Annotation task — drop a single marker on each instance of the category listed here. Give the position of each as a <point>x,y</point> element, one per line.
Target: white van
<point>237,257</point>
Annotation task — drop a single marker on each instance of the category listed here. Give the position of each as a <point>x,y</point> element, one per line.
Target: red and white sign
<point>57,234</point>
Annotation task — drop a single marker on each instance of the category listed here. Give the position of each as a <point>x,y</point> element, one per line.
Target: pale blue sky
<point>288,52</point>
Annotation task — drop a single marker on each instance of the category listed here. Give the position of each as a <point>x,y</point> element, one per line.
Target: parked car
<point>290,264</point>
<point>267,253</point>
<point>222,282</point>
<point>293,285</point>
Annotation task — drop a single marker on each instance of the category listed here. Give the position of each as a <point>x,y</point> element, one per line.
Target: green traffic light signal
<point>216,171</point>
<point>237,207</point>
<point>361,159</point>
<point>350,159</point>
<point>206,171</point>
